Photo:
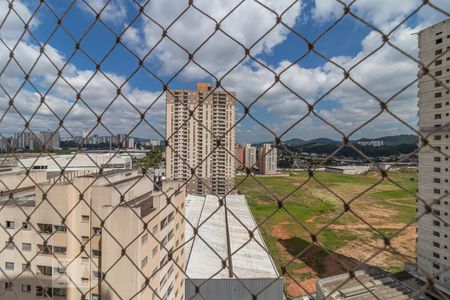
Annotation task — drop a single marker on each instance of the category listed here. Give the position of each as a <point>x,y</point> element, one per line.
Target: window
<point>84,218</point>
<point>154,251</point>
<point>59,292</point>
<point>8,285</point>
<point>438,51</point>
<point>96,274</point>
<point>45,270</point>
<point>45,249</point>
<point>96,230</point>
<point>96,297</point>
<point>437,116</point>
<point>144,262</point>
<point>437,159</point>
<point>84,239</point>
<point>26,247</point>
<point>435,233</point>
<point>9,246</point>
<point>59,250</point>
<point>155,229</point>
<point>60,228</point>
<point>96,253</point>
<point>436,223</point>
<point>26,288</point>
<point>439,41</point>
<point>144,238</point>
<point>9,265</point>
<point>26,226</point>
<point>438,62</point>
<point>438,105</point>
<point>59,270</point>
<point>45,228</point>
<point>437,180</point>
<point>438,73</point>
<point>437,137</point>
<point>436,266</point>
<point>39,291</point>
<point>10,224</point>
<point>436,244</point>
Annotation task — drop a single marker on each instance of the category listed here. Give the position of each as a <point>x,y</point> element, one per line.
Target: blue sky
<point>347,107</point>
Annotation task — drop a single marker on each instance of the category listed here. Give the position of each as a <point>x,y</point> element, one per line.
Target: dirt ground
<point>360,250</point>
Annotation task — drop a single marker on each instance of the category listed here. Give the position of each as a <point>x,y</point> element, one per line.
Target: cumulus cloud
<point>348,106</point>
<point>247,24</point>
<point>115,10</point>
<point>97,90</point>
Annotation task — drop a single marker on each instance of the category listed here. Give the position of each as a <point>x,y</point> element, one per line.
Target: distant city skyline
<point>347,107</point>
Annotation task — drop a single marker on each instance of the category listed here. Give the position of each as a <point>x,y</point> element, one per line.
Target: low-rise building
<point>349,170</point>
<point>222,258</point>
<point>367,284</point>
<point>82,162</point>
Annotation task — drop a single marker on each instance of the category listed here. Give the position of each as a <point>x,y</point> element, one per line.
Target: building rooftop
<point>371,283</point>
<point>79,161</point>
<point>250,261</point>
<point>22,197</point>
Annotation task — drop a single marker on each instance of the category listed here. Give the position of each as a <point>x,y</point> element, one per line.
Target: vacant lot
<point>316,207</point>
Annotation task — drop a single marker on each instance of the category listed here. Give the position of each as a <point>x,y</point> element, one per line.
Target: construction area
<point>344,239</point>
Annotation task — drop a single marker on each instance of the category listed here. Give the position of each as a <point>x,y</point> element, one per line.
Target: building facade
<point>26,141</point>
<point>49,139</point>
<point>239,156</point>
<point>201,139</point>
<point>433,242</point>
<point>250,156</point>
<point>267,160</point>
<point>89,254</point>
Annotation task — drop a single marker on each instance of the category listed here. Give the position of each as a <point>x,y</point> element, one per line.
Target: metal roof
<point>371,283</point>
<point>206,252</point>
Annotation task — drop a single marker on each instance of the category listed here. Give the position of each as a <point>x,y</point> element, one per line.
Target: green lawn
<point>309,208</point>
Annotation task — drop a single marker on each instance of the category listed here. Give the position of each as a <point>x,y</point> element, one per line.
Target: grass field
<point>308,207</point>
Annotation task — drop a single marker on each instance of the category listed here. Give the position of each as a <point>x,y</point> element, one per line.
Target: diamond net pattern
<point>302,244</point>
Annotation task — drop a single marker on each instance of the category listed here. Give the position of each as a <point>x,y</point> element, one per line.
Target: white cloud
<point>115,11</point>
<point>347,107</point>
<point>220,52</point>
<point>96,89</point>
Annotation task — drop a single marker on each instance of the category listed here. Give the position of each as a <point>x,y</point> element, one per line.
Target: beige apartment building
<point>267,160</point>
<point>98,246</point>
<point>201,139</point>
<point>433,242</point>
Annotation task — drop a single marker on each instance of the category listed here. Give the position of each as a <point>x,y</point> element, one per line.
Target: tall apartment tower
<point>49,139</point>
<point>250,156</point>
<point>267,160</point>
<point>433,242</point>
<point>201,137</point>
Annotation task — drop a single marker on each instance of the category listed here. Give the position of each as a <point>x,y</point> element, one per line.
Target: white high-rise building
<point>250,156</point>
<point>201,136</point>
<point>267,160</point>
<point>433,242</point>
